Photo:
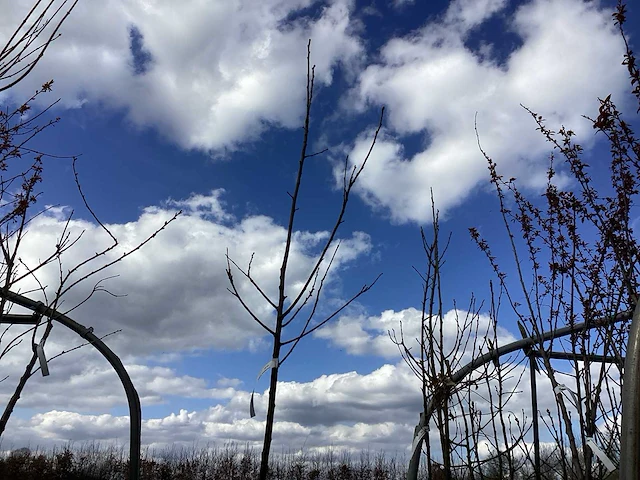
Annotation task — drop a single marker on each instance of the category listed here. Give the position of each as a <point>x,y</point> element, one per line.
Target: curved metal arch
<point>135,411</point>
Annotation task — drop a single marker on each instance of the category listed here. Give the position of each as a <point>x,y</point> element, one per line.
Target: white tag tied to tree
<point>273,363</point>
<point>44,368</point>
<point>561,388</point>
<point>600,454</point>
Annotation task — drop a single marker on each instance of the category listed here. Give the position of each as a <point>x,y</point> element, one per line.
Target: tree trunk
<point>17,393</point>
<point>271,410</point>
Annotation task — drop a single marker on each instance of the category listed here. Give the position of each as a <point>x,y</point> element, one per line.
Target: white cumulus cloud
<point>433,84</point>
<point>216,74</point>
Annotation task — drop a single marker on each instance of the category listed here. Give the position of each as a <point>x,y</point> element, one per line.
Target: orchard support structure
<point>135,411</point>
<point>630,414</point>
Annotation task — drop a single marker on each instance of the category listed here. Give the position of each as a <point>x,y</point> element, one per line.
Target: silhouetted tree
<point>286,310</point>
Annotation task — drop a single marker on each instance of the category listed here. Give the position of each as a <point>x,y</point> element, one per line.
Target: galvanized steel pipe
<point>629,468</point>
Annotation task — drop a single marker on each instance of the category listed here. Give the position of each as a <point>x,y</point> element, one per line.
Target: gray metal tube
<point>19,319</point>
<point>592,357</point>
<point>135,411</point>
<point>629,468</point>
<point>412,473</point>
<point>534,407</point>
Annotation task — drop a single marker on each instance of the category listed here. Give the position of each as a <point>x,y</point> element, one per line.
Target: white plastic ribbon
<point>600,454</point>
<point>273,363</point>
<point>44,368</point>
<point>561,388</point>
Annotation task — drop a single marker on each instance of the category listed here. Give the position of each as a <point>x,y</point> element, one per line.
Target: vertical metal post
<point>630,430</point>
<point>534,408</point>
<point>414,464</point>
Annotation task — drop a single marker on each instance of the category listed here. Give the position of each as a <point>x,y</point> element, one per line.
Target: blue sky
<point>198,106</point>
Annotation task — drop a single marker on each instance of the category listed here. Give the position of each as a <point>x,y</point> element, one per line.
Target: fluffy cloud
<point>83,381</point>
<point>207,75</point>
<point>433,84</point>
<point>176,301</point>
<point>176,286</point>
<point>330,410</point>
<point>348,410</point>
<point>222,83</point>
<point>376,411</point>
<point>363,335</point>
